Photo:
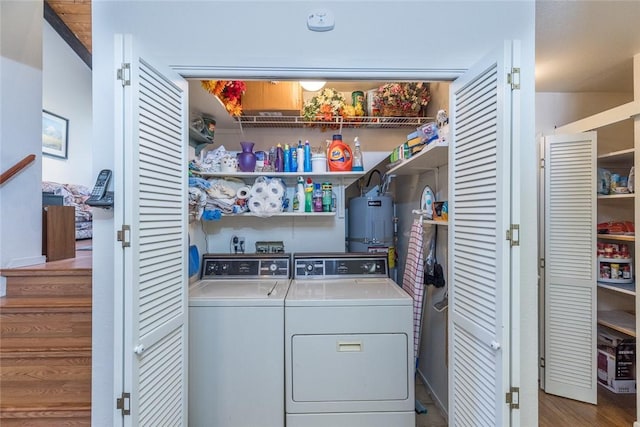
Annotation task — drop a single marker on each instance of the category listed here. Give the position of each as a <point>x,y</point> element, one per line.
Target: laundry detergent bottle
<point>339,155</point>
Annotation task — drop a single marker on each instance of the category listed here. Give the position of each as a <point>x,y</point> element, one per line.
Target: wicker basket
<point>392,111</point>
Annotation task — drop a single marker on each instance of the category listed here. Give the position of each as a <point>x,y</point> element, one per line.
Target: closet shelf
<point>347,178</point>
<point>618,320</point>
<point>624,288</point>
<point>618,237</point>
<point>432,156</point>
<point>618,157</point>
<point>282,214</point>
<point>617,196</point>
<point>367,122</point>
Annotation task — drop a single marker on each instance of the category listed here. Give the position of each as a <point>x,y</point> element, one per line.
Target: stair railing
<point>15,169</point>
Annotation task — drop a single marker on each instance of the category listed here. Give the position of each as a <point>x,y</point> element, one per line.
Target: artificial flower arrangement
<point>401,99</point>
<point>326,106</point>
<point>229,92</point>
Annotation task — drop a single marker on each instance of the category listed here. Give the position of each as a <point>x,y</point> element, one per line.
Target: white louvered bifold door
<point>570,266</point>
<point>155,264</point>
<point>479,254</point>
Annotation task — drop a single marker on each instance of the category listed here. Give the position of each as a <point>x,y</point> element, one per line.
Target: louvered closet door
<point>479,267</point>
<point>570,266</point>
<point>155,265</point>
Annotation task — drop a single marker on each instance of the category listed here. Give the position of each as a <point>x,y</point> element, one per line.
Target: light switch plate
<point>320,20</point>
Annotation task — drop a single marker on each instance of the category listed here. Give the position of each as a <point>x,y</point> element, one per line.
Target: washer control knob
<point>273,267</point>
<point>309,267</point>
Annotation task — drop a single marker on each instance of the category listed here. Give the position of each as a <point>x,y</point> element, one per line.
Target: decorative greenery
<point>402,97</point>
<point>229,92</point>
<point>325,106</point>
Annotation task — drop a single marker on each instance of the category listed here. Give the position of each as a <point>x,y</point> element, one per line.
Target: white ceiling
<point>586,46</point>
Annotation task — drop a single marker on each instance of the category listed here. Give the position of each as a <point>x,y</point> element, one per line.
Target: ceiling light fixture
<point>312,85</point>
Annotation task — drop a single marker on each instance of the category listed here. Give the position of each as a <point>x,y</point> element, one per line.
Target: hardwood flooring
<point>612,410</point>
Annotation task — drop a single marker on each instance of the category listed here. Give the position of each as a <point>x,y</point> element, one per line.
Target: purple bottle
<point>279,166</point>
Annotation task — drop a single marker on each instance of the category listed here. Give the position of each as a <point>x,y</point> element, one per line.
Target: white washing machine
<point>236,341</point>
<point>348,344</point>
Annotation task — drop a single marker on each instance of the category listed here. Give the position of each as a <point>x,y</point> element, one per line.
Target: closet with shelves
<point>589,252</point>
<point>616,271</point>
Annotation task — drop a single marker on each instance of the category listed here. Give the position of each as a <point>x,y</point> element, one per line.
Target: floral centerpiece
<point>326,106</point>
<point>401,99</point>
<point>229,92</point>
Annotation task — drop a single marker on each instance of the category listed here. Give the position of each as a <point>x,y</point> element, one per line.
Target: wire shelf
<point>368,122</point>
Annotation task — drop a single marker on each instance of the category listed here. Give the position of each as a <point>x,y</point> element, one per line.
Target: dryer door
<point>350,368</point>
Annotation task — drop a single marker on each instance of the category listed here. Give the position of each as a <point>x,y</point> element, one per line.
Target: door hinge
<point>513,78</point>
<point>542,362</point>
<point>124,74</point>
<point>513,398</point>
<point>541,262</point>
<point>541,163</point>
<point>124,236</point>
<point>513,234</point>
<point>124,403</point>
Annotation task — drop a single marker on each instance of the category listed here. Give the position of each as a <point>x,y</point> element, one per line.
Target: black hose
<point>371,174</point>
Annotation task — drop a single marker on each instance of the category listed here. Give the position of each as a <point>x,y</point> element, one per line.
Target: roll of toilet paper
<point>256,205</point>
<point>243,192</point>
<point>259,189</point>
<point>275,189</point>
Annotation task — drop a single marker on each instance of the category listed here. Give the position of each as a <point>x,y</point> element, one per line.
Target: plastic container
<point>300,157</point>
<point>308,196</point>
<point>327,195</point>
<point>287,158</point>
<point>317,197</point>
<point>298,202</point>
<point>279,162</point>
<point>357,164</point>
<point>307,157</point>
<point>340,156</point>
<point>319,163</point>
<point>615,270</point>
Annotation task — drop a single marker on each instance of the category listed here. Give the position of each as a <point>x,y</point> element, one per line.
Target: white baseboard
<point>436,399</point>
<point>25,262</point>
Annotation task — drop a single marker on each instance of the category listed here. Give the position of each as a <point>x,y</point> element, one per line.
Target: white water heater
<point>370,224</point>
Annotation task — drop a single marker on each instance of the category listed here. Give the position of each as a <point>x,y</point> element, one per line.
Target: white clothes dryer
<point>348,344</point>
<point>236,341</point>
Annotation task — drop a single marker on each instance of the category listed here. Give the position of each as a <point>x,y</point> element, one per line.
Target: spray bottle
<point>308,196</point>
<point>357,164</point>
<point>298,198</point>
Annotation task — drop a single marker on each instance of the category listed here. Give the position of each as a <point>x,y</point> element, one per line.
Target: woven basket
<point>392,111</point>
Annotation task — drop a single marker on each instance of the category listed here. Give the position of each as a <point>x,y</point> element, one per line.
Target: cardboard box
<point>622,349</point>
<point>606,375</point>
<point>616,361</point>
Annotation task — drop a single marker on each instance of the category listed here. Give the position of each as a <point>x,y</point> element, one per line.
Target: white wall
<point>371,40</point>
<point>66,92</point>
<point>20,132</point>
<point>557,109</point>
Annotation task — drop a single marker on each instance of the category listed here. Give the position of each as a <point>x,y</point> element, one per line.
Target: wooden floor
<point>612,410</point>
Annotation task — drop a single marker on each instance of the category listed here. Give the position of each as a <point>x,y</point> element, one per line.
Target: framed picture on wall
<point>55,135</point>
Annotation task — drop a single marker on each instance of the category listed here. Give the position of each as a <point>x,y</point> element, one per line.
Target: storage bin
<point>615,270</point>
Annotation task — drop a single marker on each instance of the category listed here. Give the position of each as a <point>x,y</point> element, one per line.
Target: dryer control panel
<point>245,266</point>
<point>352,265</point>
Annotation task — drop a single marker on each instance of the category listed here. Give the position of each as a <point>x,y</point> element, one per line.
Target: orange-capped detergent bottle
<point>339,155</point>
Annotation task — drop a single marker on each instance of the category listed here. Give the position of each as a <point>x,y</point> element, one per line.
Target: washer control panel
<point>245,267</point>
<point>348,265</point>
